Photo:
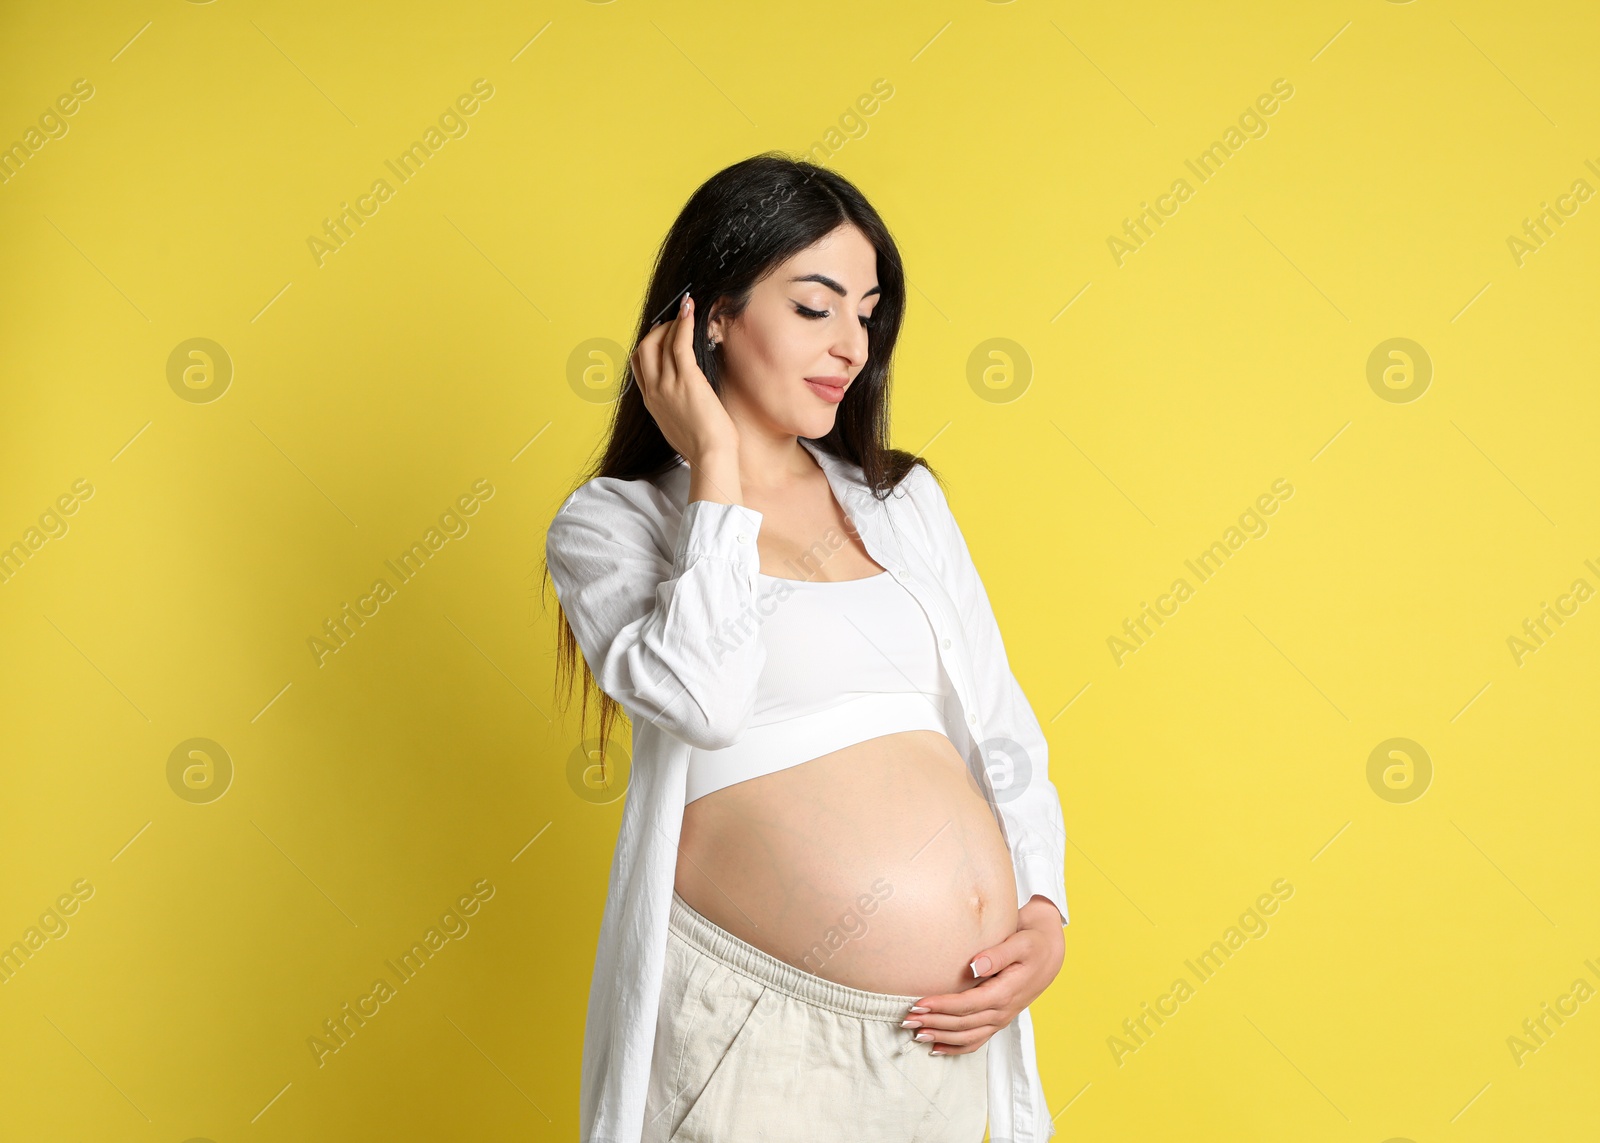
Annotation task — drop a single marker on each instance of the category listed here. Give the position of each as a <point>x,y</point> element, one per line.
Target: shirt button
<point>973,718</point>
<point>743,539</point>
<point>945,643</point>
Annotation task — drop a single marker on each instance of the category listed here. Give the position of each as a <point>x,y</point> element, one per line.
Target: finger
<point>683,339</point>
<point>978,1040</point>
<point>991,960</point>
<point>939,1023</point>
<point>970,1038</point>
<point>965,1003</point>
<point>654,358</point>
<point>642,376</point>
<point>944,1004</point>
<point>647,351</point>
<point>994,995</point>
<point>664,352</point>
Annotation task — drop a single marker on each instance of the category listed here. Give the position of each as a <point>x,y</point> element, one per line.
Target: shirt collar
<point>846,479</point>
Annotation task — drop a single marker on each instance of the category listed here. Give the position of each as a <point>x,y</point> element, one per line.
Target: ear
<point>716,324</point>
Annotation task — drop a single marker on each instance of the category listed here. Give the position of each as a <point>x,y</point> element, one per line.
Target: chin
<point>815,425</point>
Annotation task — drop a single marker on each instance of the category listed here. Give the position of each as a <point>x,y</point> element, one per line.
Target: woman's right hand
<point>677,394</point>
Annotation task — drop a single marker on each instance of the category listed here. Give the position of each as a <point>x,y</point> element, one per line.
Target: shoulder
<point>638,512</point>
<point>611,493</point>
<point>923,492</point>
<point>915,507</point>
<point>920,481</point>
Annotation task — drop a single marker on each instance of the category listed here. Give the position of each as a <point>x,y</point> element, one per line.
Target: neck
<point>770,462</point>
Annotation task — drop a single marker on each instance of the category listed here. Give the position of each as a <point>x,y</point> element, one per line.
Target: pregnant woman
<point>838,882</point>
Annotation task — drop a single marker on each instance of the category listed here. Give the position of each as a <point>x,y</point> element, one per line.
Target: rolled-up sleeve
<point>1016,753</point>
<point>674,641</point>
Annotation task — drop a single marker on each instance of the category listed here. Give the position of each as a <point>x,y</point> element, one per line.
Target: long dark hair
<point>736,228</point>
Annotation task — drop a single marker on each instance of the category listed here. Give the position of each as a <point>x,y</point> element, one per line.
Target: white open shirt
<point>661,595</point>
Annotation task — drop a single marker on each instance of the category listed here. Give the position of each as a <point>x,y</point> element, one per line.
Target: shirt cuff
<point>1041,876</point>
<point>713,530</point>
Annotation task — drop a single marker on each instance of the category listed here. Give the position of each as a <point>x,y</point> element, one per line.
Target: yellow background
<point>432,350</point>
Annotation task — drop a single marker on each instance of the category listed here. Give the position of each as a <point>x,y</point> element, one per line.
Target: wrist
<point>723,459</point>
<point>716,477</point>
<point>1040,912</point>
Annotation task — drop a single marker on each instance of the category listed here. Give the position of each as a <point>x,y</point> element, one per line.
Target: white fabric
<point>845,661</point>
<point>655,588</point>
<point>744,1041</point>
<point>779,745</point>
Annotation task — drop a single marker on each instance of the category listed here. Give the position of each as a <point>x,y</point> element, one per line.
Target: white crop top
<point>846,660</point>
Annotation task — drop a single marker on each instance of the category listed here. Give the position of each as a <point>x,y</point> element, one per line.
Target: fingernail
<point>683,305</point>
<point>923,1036</point>
<point>911,1023</point>
<point>935,1052</point>
<point>976,970</point>
<point>919,1008</point>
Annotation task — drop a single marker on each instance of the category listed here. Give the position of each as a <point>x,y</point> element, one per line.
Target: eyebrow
<point>835,286</point>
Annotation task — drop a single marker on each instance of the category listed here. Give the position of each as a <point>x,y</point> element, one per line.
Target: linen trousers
<point>749,1048</point>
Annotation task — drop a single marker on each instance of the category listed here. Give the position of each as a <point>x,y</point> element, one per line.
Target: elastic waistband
<point>743,957</point>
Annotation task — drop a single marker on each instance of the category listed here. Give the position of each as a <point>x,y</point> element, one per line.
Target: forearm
<point>670,636</point>
<point>1039,912</point>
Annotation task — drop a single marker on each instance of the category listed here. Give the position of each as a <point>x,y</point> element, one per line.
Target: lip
<point>830,389</point>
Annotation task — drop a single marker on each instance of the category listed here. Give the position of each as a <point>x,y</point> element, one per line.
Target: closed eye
<point>807,312</point>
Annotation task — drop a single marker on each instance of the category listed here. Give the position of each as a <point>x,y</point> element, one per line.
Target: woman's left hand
<point>1019,969</point>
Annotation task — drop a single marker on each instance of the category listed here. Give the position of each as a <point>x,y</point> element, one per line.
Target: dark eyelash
<point>814,314</point>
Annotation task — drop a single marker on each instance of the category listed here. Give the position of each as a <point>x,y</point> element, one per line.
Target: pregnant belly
<point>879,866</point>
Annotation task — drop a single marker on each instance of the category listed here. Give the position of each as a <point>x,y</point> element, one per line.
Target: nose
<point>851,347</point>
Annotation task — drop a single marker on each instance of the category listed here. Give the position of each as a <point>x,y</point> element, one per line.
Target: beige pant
<point>749,1048</point>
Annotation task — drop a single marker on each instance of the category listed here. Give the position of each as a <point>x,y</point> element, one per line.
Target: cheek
<point>774,360</point>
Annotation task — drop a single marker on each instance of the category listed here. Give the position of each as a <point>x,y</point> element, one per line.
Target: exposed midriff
<point>879,866</point>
